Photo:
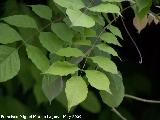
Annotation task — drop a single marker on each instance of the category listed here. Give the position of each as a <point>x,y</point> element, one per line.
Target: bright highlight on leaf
<point>43,11</point>
<point>105,63</point>
<point>62,68</point>
<point>72,4</point>
<point>9,63</point>
<point>76,91</point>
<point>105,8</point>
<point>37,57</point>
<point>50,41</point>
<point>70,52</point>
<point>98,80</point>
<point>80,19</point>
<point>62,31</point>
<point>117,89</point>
<point>110,38</point>
<point>8,34</point>
<point>21,21</point>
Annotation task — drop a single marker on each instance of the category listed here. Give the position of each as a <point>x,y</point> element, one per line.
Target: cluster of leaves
<point>73,51</point>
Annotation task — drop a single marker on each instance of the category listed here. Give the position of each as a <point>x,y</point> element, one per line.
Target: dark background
<point>139,79</point>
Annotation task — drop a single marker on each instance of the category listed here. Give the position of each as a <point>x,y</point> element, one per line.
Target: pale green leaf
<point>92,103</point>
<point>8,34</point>
<point>76,91</point>
<point>106,48</point>
<point>110,38</point>
<point>80,19</point>
<point>105,63</point>
<point>70,52</point>
<point>21,21</point>
<point>50,41</point>
<point>98,80</point>
<point>9,63</point>
<point>62,68</point>
<point>63,31</point>
<point>37,57</point>
<point>52,86</point>
<point>82,42</point>
<point>105,8</point>
<point>115,31</point>
<point>117,89</point>
<point>72,4</point>
<point>43,11</point>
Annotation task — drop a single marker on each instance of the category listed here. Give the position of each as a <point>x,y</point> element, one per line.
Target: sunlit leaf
<point>76,91</point>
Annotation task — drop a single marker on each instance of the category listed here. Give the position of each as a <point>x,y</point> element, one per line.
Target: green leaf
<point>105,8</point>
<point>37,57</point>
<point>92,103</point>
<point>116,0</point>
<point>76,91</point>
<point>9,63</point>
<point>106,48</point>
<point>89,33</point>
<point>70,52</point>
<point>8,34</point>
<point>80,19</point>
<point>115,31</point>
<point>82,42</point>
<point>50,41</point>
<point>21,21</point>
<point>110,38</point>
<point>105,63</point>
<point>52,86</point>
<point>38,93</point>
<point>117,89</point>
<point>63,31</point>
<point>43,11</point>
<point>98,80</point>
<point>73,4</point>
<point>62,68</point>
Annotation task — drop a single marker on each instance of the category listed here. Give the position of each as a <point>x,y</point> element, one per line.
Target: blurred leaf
<point>21,21</point>
<point>115,31</point>
<point>105,8</point>
<point>62,68</point>
<point>70,52</point>
<point>50,41</point>
<point>110,38</point>
<point>52,86</point>
<point>140,24</point>
<point>8,34</point>
<point>9,63</point>
<point>117,90</point>
<point>37,57</point>
<point>83,19</point>
<point>73,4</point>
<point>76,91</point>
<point>105,63</point>
<point>91,104</point>
<point>43,11</point>
<point>63,31</point>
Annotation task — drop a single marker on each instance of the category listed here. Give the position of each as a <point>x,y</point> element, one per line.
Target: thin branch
<point>118,114</point>
<point>139,52</point>
<point>142,99</point>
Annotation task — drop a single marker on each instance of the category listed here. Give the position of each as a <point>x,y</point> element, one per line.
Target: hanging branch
<point>118,114</point>
<point>142,99</point>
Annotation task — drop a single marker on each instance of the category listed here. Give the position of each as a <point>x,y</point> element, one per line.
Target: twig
<point>142,99</point>
<point>139,52</point>
<point>118,114</point>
